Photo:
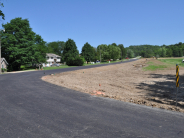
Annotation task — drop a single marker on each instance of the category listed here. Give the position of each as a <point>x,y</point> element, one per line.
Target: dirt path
<point>127,82</point>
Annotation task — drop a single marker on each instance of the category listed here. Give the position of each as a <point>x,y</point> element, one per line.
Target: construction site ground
<point>128,82</point>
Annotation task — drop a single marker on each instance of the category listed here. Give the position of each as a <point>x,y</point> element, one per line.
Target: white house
<point>52,58</point>
<point>4,63</point>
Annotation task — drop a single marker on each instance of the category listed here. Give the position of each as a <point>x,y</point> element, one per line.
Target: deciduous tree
<point>123,51</point>
<point>56,47</point>
<point>130,53</point>
<point>1,13</point>
<point>103,50</point>
<point>88,52</point>
<point>114,52</point>
<point>70,51</point>
<point>20,45</point>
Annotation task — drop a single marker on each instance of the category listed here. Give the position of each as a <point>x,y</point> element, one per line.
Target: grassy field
<point>169,62</point>
<point>60,67</point>
<point>24,68</point>
<point>173,61</point>
<point>107,62</point>
<point>154,66</point>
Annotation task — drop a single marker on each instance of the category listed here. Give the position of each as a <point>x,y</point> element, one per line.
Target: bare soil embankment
<point>127,82</point>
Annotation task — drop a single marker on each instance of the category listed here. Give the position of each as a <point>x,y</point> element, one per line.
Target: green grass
<point>26,68</point>
<point>150,63</point>
<point>166,63</point>
<point>155,67</point>
<point>60,67</point>
<point>107,62</point>
<point>173,61</point>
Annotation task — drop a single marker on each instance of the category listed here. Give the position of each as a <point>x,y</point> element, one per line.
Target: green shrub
<point>5,70</point>
<point>75,61</point>
<point>83,59</point>
<point>22,67</point>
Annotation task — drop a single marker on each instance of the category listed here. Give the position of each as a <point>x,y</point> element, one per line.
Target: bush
<point>75,61</point>
<point>22,67</point>
<point>5,70</point>
<point>83,59</point>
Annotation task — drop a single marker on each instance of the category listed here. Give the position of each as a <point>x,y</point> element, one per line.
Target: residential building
<point>52,58</point>
<point>4,63</point>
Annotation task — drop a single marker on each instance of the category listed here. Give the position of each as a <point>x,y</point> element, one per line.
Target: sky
<point>127,22</point>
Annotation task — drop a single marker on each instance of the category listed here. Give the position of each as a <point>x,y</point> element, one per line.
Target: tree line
<point>173,50</point>
<point>21,46</point>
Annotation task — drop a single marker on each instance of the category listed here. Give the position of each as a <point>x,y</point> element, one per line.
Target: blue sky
<point>127,22</point>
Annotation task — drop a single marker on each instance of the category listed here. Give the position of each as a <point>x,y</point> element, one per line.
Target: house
<point>52,58</point>
<point>4,63</point>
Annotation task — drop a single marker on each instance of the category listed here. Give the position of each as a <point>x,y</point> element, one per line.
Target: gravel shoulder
<point>127,82</point>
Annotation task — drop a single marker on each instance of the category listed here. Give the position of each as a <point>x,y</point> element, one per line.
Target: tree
<point>169,53</point>
<point>130,53</point>
<point>114,52</point>
<point>70,51</point>
<point>163,53</point>
<point>87,52</point>
<point>180,53</point>
<point>40,51</point>
<point>103,50</point>
<point>124,53</point>
<point>18,43</point>
<point>1,13</point>
<point>114,44</point>
<point>56,47</point>
<point>122,50</point>
<point>96,54</point>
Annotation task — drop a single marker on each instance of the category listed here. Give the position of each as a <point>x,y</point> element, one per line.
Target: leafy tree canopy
<point>123,51</point>
<point>20,45</point>
<point>103,49</point>
<point>70,50</point>
<point>114,52</point>
<point>174,50</point>
<point>130,53</point>
<point>88,52</point>
<point>56,47</point>
<point>1,13</point>
<point>114,44</point>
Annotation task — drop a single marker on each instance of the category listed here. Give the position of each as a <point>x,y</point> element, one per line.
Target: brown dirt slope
<point>127,82</point>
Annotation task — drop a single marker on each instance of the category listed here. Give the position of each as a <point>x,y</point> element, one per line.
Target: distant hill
<point>176,50</point>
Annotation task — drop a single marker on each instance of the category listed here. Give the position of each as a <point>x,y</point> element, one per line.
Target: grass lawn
<point>173,61</point>
<point>60,67</point>
<point>107,62</point>
<point>154,66</point>
<point>24,68</point>
<point>170,62</point>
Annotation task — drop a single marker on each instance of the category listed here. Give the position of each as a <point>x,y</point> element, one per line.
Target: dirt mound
<point>127,82</point>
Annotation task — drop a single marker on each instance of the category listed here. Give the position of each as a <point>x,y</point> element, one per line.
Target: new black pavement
<point>32,108</point>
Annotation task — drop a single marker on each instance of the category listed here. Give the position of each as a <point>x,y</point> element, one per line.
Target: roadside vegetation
<point>173,61</point>
<point>162,64</point>
<point>155,65</point>
<point>147,51</point>
<point>31,49</point>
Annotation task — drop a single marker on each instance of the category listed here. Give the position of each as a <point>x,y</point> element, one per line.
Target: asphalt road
<point>32,108</point>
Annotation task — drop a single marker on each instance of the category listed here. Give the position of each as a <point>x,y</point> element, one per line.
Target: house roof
<point>52,55</point>
<point>3,59</point>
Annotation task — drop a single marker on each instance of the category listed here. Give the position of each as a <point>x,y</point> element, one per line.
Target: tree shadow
<point>163,90</point>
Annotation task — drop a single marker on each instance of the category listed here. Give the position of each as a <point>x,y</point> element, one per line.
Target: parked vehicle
<point>55,65</point>
<point>127,58</point>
